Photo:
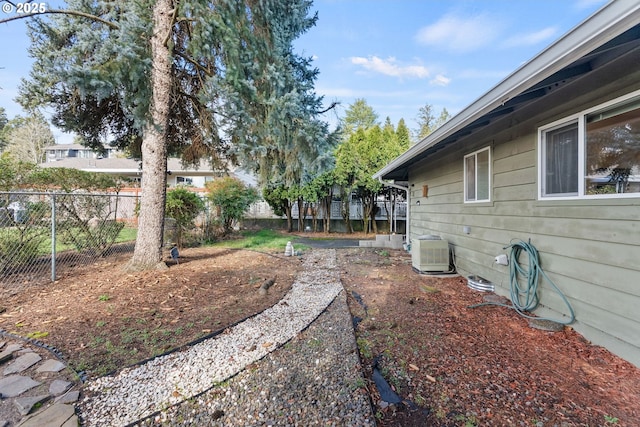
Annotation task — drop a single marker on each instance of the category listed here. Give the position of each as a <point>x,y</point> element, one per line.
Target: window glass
<point>561,161</point>
<point>482,163</point>
<point>476,175</point>
<point>470,167</point>
<point>612,163</point>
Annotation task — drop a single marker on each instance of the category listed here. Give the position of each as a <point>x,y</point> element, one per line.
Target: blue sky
<point>397,55</point>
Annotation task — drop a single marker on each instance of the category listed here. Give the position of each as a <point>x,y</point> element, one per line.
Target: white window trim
<point>581,119</point>
<point>541,155</point>
<point>186,180</point>
<point>464,173</point>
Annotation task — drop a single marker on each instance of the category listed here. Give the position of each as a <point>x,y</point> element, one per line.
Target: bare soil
<point>476,366</point>
<point>103,318</point>
<point>458,366</point>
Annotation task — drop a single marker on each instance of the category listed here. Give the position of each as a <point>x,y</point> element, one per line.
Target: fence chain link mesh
<point>45,235</point>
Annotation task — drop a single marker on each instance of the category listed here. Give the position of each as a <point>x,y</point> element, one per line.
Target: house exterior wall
<point>589,248</point>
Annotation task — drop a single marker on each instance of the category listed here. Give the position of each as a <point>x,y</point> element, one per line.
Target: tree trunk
<point>289,218</point>
<point>302,214</point>
<point>148,250</point>
<point>375,224</point>
<point>366,225</point>
<point>374,211</point>
<point>368,218</point>
<point>346,211</point>
<point>314,216</point>
<point>326,202</point>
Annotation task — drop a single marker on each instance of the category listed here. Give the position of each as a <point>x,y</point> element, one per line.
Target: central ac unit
<point>430,254</point>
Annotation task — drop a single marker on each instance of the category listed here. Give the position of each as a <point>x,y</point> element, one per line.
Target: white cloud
<point>390,67</point>
<point>460,34</point>
<point>441,80</point>
<point>531,39</point>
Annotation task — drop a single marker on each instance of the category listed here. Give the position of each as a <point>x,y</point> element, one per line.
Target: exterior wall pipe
<point>408,214</point>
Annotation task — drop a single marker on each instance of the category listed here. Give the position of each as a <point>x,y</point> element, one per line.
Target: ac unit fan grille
<point>430,255</point>
<point>434,256</point>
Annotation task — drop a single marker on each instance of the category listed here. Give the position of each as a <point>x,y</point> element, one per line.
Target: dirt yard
<point>102,318</point>
<point>457,365</point>
<point>477,366</point>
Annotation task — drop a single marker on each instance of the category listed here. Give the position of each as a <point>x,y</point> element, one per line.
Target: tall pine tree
<point>403,134</point>
<point>162,77</point>
<point>358,115</point>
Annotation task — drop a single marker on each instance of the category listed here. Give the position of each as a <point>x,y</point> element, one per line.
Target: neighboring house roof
<point>125,166</point>
<point>78,147</point>
<point>66,147</point>
<point>108,165</point>
<point>611,32</point>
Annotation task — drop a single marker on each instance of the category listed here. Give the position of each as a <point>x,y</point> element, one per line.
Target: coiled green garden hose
<point>523,281</point>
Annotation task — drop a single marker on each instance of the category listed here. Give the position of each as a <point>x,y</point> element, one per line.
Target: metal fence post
<point>53,237</point>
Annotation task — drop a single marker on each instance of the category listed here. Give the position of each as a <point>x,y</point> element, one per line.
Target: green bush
<point>18,249</point>
<point>232,198</point>
<point>183,206</point>
<point>95,237</point>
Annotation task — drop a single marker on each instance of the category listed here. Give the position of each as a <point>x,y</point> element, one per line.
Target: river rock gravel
<point>315,379</point>
<point>308,378</point>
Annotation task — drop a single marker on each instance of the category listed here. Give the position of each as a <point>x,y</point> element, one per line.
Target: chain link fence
<point>44,235</point>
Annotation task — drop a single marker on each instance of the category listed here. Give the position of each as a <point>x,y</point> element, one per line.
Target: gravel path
<point>314,379</point>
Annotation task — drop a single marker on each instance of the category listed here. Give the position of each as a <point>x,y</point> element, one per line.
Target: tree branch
<point>333,105</point>
<point>194,63</point>
<point>63,12</point>
<point>174,15</point>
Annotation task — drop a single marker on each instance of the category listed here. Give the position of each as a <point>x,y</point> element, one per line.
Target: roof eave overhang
<point>611,20</point>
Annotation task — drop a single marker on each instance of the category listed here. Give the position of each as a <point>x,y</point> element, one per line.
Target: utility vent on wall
<point>430,253</point>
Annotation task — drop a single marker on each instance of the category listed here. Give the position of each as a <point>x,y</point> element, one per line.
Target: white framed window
<point>594,154</point>
<point>477,176</point>
<point>559,150</point>
<point>181,180</point>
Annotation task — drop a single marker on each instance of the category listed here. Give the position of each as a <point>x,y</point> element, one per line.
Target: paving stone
<point>13,347</point>
<point>7,353</point>
<point>4,423</point>
<point>53,416</point>
<point>22,363</point>
<point>2,343</point>
<point>26,404</point>
<point>70,397</point>
<point>58,387</point>
<point>72,422</point>
<point>14,385</point>
<point>51,365</point>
